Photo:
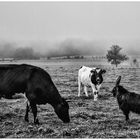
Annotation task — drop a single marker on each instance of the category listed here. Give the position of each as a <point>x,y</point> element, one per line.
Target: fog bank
<point>67,47</point>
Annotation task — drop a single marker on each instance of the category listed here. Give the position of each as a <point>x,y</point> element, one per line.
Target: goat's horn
<point>118,81</point>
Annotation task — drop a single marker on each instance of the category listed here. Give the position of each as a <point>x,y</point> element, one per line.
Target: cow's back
<point>84,75</point>
<point>13,79</point>
<point>32,80</point>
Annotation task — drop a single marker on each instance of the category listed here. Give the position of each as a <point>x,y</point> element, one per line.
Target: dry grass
<point>89,119</point>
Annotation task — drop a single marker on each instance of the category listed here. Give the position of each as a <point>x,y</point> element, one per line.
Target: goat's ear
<point>118,81</point>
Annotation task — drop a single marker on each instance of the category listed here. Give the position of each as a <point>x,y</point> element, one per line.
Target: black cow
<point>128,101</point>
<point>37,85</point>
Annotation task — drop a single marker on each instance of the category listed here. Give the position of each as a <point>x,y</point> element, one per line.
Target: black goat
<point>128,101</point>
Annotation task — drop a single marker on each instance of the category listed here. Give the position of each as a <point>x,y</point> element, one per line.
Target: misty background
<point>46,29</point>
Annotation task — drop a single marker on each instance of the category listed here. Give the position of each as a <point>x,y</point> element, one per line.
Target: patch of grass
<point>89,119</point>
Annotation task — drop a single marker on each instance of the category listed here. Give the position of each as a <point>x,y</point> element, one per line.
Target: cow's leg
<point>95,95</point>
<point>34,110</point>
<point>85,90</point>
<point>95,92</point>
<point>27,110</point>
<point>127,116</point>
<point>79,86</point>
<point>98,87</point>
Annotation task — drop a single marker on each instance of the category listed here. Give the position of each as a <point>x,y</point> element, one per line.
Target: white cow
<point>90,77</point>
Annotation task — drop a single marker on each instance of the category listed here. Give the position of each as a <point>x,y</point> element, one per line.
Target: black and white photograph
<point>69,69</point>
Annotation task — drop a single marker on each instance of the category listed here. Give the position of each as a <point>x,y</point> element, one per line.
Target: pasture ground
<point>89,119</point>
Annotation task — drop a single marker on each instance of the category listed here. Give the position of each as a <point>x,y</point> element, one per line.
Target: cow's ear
<point>92,71</point>
<point>103,71</point>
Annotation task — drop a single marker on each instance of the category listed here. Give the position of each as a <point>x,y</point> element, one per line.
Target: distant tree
<point>135,62</point>
<point>114,56</point>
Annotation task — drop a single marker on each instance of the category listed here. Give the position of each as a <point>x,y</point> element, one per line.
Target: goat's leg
<point>126,113</point>
<point>27,110</point>
<point>34,110</point>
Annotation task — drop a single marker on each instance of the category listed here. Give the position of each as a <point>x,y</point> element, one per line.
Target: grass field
<point>89,119</point>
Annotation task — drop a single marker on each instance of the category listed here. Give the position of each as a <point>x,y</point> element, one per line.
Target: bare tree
<point>114,56</point>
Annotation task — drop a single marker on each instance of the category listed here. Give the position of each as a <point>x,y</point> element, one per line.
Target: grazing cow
<point>128,101</point>
<point>37,85</point>
<point>90,77</point>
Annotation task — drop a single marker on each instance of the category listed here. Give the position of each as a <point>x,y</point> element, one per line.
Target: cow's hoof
<point>36,122</point>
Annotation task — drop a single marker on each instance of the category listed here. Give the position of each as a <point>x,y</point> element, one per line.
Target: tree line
<point>114,55</point>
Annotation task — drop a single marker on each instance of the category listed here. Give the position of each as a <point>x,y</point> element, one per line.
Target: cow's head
<point>62,110</point>
<point>96,76</point>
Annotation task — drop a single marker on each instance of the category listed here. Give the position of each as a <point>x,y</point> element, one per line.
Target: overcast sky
<point>113,22</point>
